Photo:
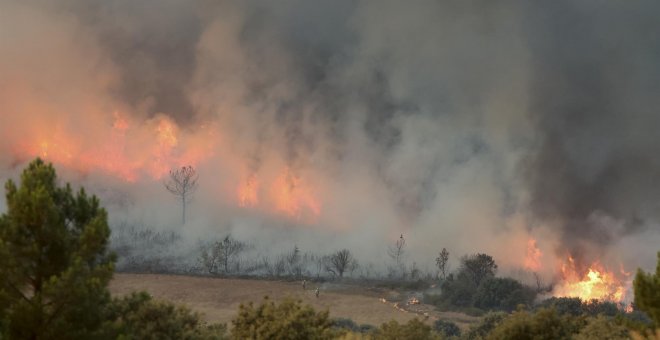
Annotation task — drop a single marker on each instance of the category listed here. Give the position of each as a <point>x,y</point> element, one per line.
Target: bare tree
<point>442,262</point>
<point>220,255</point>
<point>397,250</point>
<point>294,262</point>
<point>340,262</point>
<point>182,183</point>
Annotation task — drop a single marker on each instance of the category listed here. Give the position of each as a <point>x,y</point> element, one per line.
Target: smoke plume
<point>469,125</point>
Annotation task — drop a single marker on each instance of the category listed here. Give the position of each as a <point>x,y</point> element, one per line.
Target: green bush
<point>446,328</point>
<point>503,294</point>
<point>647,293</point>
<point>575,306</point>
<point>413,330</point>
<point>137,316</point>
<point>287,320</point>
<point>485,326</point>
<point>544,324</point>
<point>603,328</point>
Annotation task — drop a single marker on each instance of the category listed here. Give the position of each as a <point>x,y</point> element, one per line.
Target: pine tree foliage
<point>647,293</point>
<point>54,261</point>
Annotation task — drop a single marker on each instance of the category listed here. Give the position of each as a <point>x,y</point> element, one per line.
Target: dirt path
<point>218,299</point>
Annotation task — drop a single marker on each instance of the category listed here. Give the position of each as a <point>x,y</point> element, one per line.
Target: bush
<point>485,326</point>
<point>503,294</point>
<point>575,306</point>
<point>458,291</point>
<point>544,324</point>
<point>647,292</point>
<point>603,328</point>
<point>288,320</point>
<point>564,305</point>
<point>413,330</point>
<point>137,316</point>
<point>446,328</point>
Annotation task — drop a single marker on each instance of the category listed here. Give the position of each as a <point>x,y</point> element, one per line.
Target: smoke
<point>461,124</point>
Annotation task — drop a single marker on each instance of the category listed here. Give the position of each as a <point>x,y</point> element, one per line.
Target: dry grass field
<point>218,299</point>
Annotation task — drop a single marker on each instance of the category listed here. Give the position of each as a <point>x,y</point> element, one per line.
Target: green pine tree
<point>54,261</point>
<point>647,293</point>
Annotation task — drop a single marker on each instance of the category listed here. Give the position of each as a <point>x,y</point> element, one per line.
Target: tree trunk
<point>183,214</point>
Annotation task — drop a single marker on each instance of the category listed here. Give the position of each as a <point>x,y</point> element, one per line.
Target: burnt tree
<point>182,184</point>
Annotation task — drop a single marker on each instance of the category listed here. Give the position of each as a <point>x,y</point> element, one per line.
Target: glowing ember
<point>248,192</point>
<point>593,283</point>
<point>533,256</point>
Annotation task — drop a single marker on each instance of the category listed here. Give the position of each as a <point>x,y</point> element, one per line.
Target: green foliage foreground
<point>54,262</point>
<point>55,268</point>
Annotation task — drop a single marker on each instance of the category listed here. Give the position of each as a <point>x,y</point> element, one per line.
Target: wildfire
<point>293,197</point>
<point>596,282</point>
<point>533,256</point>
<point>121,147</point>
<point>248,192</point>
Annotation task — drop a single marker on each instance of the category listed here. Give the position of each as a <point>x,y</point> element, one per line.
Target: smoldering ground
<point>461,124</point>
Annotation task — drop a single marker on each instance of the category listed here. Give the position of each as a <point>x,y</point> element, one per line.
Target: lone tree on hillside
<point>340,262</point>
<point>182,184</point>
<point>54,261</point>
<point>442,262</point>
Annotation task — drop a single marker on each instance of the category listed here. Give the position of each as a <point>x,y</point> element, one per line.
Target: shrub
<point>413,330</point>
<point>485,326</point>
<point>603,328</point>
<point>288,320</point>
<point>137,316</point>
<point>647,292</point>
<point>503,293</point>
<point>544,324</point>
<point>446,328</point>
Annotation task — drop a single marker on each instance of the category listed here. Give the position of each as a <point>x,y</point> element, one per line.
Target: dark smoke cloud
<point>463,123</point>
<point>595,79</point>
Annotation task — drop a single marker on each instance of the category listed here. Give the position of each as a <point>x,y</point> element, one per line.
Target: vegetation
<point>137,316</point>
<point>54,262</point>
<point>413,330</point>
<point>55,267</point>
<point>340,262</point>
<point>647,293</point>
<point>442,262</point>
<point>446,328</point>
<point>288,320</point>
<point>182,184</point>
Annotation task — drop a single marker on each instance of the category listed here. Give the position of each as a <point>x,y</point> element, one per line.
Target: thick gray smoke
<point>462,124</point>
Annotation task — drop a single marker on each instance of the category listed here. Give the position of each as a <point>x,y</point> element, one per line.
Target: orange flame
<point>596,282</point>
<point>123,148</point>
<point>293,197</point>
<point>248,192</point>
<point>533,256</point>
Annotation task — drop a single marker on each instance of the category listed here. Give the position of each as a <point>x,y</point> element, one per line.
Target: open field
<point>218,299</point>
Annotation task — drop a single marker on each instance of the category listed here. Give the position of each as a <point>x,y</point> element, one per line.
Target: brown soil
<point>218,299</point>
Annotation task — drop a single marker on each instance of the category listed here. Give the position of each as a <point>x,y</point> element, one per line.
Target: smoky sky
<point>460,116</point>
<point>594,81</point>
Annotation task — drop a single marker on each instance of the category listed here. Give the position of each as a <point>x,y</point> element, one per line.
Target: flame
<point>294,197</point>
<point>248,192</point>
<point>596,282</point>
<point>533,256</point>
<point>129,150</point>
